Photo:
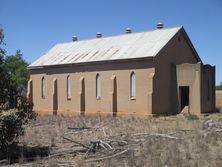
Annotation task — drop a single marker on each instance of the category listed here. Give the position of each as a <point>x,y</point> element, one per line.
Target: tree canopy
<point>2,51</point>
<point>15,108</point>
<point>3,78</point>
<point>13,76</point>
<point>17,74</point>
<point>16,68</point>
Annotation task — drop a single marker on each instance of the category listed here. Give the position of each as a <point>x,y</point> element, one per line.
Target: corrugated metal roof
<point>125,46</point>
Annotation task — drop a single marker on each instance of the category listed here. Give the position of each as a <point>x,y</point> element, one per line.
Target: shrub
<point>192,117</point>
<point>217,110</point>
<point>12,122</point>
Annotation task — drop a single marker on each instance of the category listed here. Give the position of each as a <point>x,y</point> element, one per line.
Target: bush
<point>217,110</point>
<point>12,121</point>
<point>192,117</point>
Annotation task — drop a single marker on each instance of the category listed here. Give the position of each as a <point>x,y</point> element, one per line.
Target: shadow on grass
<point>15,154</point>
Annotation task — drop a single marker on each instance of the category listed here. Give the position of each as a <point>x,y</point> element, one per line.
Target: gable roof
<point>120,47</point>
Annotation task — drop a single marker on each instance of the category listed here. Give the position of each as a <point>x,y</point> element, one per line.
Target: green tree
<point>16,70</point>
<point>3,77</point>
<point>2,51</point>
<point>15,108</point>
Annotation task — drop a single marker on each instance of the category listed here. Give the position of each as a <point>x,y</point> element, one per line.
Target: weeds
<point>192,117</point>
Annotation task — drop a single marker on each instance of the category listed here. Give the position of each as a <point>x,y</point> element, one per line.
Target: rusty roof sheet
<point>125,46</point>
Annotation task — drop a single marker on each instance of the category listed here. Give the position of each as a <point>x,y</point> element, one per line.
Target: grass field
<point>219,98</point>
<point>182,140</point>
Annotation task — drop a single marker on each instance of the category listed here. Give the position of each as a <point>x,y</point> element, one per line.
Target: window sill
<point>132,98</point>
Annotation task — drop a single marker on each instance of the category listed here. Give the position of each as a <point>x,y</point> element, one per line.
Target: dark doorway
<point>184,96</point>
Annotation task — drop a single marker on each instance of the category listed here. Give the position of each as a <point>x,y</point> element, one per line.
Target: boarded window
<point>98,87</point>
<point>68,82</point>
<point>132,85</point>
<point>43,87</point>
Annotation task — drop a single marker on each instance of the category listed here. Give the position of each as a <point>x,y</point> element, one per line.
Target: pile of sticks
<point>95,150</point>
<point>107,147</point>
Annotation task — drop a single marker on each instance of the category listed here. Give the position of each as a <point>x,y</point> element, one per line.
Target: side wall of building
<point>177,51</point>
<point>208,88</point>
<point>141,104</point>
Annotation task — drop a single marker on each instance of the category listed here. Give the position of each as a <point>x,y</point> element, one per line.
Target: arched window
<point>68,88</point>
<point>98,87</point>
<point>43,87</point>
<point>132,85</point>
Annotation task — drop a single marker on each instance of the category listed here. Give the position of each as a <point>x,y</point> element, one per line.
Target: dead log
<point>3,161</point>
<point>120,142</point>
<point>108,157</point>
<point>76,142</point>
<point>67,151</point>
<point>163,135</point>
<point>156,135</point>
<point>88,147</point>
<point>103,144</point>
<point>79,128</point>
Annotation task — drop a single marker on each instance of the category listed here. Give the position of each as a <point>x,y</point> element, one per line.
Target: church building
<point>155,72</point>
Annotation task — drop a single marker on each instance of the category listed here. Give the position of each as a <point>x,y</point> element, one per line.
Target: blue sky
<point>34,26</point>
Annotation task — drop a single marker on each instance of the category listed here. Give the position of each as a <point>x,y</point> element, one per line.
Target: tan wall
<point>125,105</point>
<point>177,51</point>
<point>190,75</point>
<point>219,98</point>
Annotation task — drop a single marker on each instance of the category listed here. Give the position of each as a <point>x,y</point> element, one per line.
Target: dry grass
<point>219,98</point>
<point>199,141</point>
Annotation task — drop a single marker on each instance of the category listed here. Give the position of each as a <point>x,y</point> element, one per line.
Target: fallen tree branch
<point>163,135</point>
<point>67,151</point>
<point>76,142</point>
<point>76,132</point>
<point>103,144</point>
<point>108,157</point>
<point>79,128</point>
<point>156,135</point>
<point>120,142</point>
<point>88,147</point>
<point>3,161</point>
<point>66,162</point>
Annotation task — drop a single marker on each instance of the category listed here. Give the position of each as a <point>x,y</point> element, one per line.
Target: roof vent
<point>128,30</point>
<point>159,25</point>
<point>74,38</point>
<point>98,35</point>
